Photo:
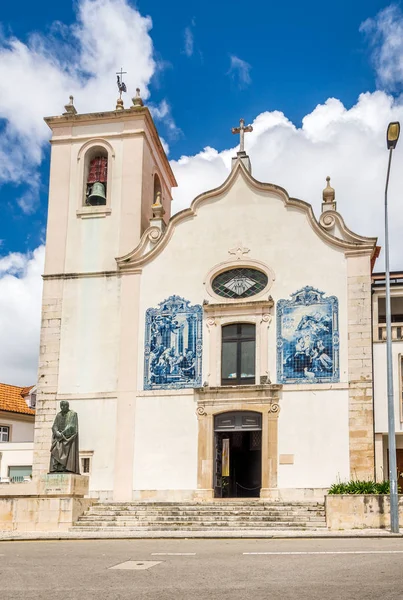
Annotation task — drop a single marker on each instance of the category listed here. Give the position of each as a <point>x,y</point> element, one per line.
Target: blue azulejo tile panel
<point>173,345</point>
<point>308,338</point>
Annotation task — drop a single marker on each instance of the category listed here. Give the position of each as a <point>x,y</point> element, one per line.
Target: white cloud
<point>239,71</point>
<point>162,112</point>
<point>69,60</point>
<point>385,35</point>
<point>20,316</point>
<point>189,42</point>
<point>349,145</point>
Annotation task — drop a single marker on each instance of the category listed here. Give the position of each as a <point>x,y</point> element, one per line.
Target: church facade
<point>224,352</point>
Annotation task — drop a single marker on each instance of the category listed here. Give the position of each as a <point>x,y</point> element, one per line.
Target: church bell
<point>97,196</point>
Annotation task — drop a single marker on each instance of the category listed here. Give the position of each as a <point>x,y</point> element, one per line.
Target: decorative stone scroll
<point>173,345</point>
<point>308,338</point>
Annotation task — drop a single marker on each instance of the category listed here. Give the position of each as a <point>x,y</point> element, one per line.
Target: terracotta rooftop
<point>12,399</point>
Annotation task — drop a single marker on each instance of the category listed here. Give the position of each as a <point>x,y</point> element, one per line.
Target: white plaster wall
<point>97,434</point>
<point>284,240</point>
<point>380,386</point>
<point>313,426</point>
<point>281,238</point>
<point>165,452</point>
<point>89,348</point>
<point>21,431</point>
<point>15,454</point>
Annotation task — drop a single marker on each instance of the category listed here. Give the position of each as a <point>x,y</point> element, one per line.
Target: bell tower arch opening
<point>157,196</point>
<point>95,176</point>
<point>237,454</point>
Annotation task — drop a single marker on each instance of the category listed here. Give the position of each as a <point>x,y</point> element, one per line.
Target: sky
<point>319,82</point>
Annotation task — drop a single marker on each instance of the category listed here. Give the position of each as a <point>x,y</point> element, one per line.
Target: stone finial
<point>157,208</point>
<point>119,104</point>
<point>137,100</point>
<point>328,193</point>
<point>70,108</point>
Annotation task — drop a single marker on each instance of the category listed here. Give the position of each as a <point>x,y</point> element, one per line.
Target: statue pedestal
<point>53,502</point>
<point>63,484</point>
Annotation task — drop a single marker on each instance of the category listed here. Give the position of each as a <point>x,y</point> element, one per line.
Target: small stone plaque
<point>136,565</point>
<point>286,459</point>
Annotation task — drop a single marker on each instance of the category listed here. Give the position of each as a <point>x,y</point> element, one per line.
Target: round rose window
<point>239,283</point>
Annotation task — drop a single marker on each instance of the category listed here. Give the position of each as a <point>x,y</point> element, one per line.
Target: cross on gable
<point>242,130</point>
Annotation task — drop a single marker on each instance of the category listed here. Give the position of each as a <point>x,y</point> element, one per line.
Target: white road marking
<point>173,554</point>
<point>136,565</point>
<point>324,552</point>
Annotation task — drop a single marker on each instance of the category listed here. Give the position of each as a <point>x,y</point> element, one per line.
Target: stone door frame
<point>263,399</point>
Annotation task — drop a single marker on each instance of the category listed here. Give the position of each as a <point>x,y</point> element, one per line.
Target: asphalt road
<point>326,569</point>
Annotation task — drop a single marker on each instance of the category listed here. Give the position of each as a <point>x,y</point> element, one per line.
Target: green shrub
<point>355,486</point>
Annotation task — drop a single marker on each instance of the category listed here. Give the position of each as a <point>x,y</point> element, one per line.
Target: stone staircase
<point>225,515</point>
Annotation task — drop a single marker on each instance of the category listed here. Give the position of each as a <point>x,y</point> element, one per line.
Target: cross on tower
<point>242,130</point>
<point>121,84</point>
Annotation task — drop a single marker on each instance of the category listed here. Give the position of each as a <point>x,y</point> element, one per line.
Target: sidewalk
<point>215,534</point>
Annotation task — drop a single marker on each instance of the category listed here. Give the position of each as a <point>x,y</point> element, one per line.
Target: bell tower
<point>107,171</point>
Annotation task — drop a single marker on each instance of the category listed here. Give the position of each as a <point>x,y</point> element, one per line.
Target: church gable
<point>330,227</point>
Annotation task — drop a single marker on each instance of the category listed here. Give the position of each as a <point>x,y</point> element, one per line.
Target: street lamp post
<point>392,137</point>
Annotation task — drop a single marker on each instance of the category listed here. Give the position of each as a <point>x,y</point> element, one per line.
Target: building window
<point>4,433</point>
<point>396,305</point>
<point>242,282</point>
<point>32,401</point>
<point>86,462</point>
<point>85,465</point>
<point>238,360</point>
<point>19,474</point>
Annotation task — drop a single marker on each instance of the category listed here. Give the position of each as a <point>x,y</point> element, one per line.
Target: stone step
<point>215,509</point>
<point>235,518</point>
<point>134,517</point>
<point>223,515</point>
<point>201,526</point>
<point>226,509</point>
<point>191,527</point>
<point>208,504</point>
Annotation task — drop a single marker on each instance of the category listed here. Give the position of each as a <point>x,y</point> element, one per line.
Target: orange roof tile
<point>12,399</point>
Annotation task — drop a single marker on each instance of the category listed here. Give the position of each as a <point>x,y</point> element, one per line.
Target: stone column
<point>361,411</point>
<point>269,450</point>
<point>48,373</point>
<point>205,456</point>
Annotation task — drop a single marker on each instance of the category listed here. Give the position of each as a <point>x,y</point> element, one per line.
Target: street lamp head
<point>392,135</point>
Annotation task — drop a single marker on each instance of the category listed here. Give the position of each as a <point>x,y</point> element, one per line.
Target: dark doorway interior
<point>245,458</point>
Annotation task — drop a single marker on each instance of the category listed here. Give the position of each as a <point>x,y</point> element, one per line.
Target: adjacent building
<point>17,417</point>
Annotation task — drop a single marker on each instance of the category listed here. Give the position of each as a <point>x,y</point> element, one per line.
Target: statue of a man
<point>64,456</point>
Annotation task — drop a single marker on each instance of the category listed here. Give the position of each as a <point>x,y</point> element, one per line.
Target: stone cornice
<point>90,274</point>
<point>116,115</point>
<point>352,242</point>
<point>223,307</point>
